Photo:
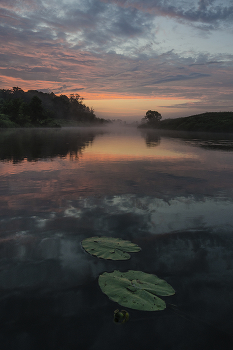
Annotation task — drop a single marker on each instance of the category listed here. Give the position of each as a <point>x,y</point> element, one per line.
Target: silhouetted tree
<point>24,114</point>
<point>36,109</point>
<point>42,109</point>
<point>151,120</point>
<point>11,108</point>
<point>152,116</point>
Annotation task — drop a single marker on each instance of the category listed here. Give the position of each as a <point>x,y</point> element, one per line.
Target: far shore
<point>205,122</point>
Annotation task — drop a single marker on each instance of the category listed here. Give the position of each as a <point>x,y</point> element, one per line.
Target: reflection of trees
<point>207,140</point>
<point>220,145</point>
<point>34,144</point>
<point>152,138</point>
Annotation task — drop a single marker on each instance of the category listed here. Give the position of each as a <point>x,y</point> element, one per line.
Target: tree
<point>152,117</point>
<point>11,107</point>
<point>16,89</point>
<point>23,114</point>
<point>42,109</point>
<point>36,109</point>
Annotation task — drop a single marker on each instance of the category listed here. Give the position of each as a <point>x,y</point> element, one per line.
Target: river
<point>172,194</point>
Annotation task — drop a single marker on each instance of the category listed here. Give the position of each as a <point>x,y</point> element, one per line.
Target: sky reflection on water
<point>167,193</point>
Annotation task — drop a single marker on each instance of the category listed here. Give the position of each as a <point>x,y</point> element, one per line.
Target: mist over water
<point>172,194</point>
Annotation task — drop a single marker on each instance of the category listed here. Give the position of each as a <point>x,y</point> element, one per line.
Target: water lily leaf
<point>110,248</point>
<point>135,289</point>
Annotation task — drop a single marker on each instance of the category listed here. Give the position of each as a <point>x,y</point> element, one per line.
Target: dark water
<point>171,194</point>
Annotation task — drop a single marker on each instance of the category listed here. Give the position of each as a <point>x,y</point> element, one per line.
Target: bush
<point>5,122</point>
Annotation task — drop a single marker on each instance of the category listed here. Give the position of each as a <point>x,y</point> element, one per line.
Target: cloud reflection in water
<point>174,200</point>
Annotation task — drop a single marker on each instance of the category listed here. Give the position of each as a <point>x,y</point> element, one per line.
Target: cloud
<point>180,77</point>
<point>86,26</point>
<point>206,11</point>
<point>116,48</point>
<point>42,70</point>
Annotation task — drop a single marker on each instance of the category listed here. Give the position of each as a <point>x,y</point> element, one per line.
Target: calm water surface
<point>172,194</point>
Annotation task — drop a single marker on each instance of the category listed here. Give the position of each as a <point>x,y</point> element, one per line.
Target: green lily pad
<point>135,289</point>
<point>110,248</point>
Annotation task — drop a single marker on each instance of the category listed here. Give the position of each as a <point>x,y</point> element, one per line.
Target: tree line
<point>208,122</point>
<point>36,108</point>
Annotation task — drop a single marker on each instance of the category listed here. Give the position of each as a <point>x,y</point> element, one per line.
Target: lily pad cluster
<point>133,289</point>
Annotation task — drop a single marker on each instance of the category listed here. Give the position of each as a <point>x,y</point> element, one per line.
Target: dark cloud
<point>206,11</point>
<point>112,47</point>
<point>42,70</point>
<point>181,77</point>
<point>206,63</point>
<point>92,24</point>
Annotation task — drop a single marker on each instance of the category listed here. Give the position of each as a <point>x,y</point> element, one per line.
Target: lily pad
<point>135,289</point>
<point>110,248</point>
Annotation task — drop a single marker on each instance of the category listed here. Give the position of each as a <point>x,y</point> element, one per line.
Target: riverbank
<point>207,122</point>
<point>38,109</point>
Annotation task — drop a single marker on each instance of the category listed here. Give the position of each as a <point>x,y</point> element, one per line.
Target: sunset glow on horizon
<point>123,57</point>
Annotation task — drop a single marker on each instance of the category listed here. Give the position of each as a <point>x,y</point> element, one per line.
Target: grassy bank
<point>209,121</point>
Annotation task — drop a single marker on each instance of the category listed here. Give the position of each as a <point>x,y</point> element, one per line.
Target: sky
<point>123,57</point>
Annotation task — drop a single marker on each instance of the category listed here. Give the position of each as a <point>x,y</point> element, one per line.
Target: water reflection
<point>35,144</point>
<point>222,145</point>
<point>152,138</point>
<point>172,199</point>
<point>210,141</point>
<point>49,282</point>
